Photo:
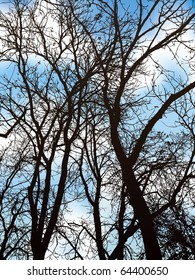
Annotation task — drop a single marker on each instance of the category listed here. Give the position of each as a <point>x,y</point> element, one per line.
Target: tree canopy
<point>97,130</point>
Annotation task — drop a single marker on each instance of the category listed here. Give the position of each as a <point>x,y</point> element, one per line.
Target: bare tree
<point>124,64</point>
<point>14,228</point>
<point>100,119</point>
<point>49,92</point>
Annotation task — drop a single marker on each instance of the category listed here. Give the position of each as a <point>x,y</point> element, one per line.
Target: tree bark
<point>143,215</point>
<point>37,249</point>
<point>140,207</point>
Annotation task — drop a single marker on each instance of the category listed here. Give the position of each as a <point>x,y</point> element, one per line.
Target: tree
<point>47,97</point>
<point>88,103</point>
<point>14,228</point>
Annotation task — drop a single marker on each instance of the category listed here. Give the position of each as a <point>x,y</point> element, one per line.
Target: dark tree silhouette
<point>98,101</point>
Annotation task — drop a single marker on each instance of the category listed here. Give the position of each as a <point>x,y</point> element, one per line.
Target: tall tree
<point>105,121</point>
<point>45,103</point>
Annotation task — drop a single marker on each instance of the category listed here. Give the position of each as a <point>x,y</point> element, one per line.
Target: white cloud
<point>4,7</point>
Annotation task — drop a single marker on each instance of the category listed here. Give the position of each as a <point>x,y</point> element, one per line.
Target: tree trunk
<point>39,255</point>
<point>143,215</point>
<point>38,251</point>
<point>140,207</point>
<point>98,231</point>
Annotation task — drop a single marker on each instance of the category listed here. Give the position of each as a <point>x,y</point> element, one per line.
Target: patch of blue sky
<point>168,69</point>
<point>5,6</point>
